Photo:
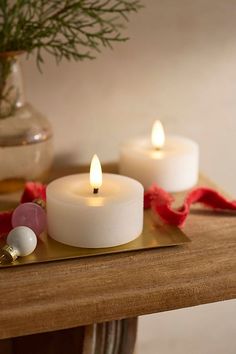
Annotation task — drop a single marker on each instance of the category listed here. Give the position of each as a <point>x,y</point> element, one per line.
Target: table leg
<point>114,337</point>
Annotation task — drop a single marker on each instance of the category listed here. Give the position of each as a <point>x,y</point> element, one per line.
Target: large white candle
<point>95,210</point>
<point>171,161</point>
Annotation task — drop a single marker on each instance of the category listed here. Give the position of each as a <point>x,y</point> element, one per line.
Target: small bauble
<point>31,215</point>
<point>23,240</point>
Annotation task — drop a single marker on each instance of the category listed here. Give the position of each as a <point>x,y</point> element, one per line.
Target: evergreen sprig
<point>70,29</point>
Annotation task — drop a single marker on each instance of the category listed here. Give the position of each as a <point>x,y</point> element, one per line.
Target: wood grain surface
<point>66,294</point>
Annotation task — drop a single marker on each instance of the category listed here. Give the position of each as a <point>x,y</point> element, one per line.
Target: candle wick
<point>95,190</point>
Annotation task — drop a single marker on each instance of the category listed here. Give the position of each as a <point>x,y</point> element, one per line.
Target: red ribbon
<point>161,201</point>
<point>33,190</point>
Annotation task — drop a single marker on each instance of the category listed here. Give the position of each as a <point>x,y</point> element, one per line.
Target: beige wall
<point>179,66</point>
<point>208,329</point>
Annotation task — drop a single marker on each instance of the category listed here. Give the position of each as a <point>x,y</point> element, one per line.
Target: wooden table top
<point>64,294</point>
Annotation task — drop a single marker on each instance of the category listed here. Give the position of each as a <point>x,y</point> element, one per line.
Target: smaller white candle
<point>170,161</point>
<point>96,210</point>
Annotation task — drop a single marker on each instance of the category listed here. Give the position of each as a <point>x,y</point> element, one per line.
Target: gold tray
<point>153,236</point>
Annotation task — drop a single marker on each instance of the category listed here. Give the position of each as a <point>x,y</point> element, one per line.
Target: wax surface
<point>80,218</point>
<point>174,167</point>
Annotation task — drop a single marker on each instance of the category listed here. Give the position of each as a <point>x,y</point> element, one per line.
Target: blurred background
<point>180,67</point>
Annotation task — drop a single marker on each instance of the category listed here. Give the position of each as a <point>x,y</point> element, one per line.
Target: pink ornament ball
<point>31,215</point>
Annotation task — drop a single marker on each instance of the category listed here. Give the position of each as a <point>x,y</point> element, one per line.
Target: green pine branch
<point>66,29</point>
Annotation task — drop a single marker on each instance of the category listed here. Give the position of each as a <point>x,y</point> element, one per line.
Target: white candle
<point>95,210</point>
<point>171,161</point>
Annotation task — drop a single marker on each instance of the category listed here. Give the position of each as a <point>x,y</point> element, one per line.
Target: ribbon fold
<point>161,201</point>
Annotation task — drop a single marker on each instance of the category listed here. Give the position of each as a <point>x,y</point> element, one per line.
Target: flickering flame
<point>95,173</point>
<point>158,135</point>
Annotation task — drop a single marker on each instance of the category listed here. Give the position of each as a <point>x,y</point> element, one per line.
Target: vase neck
<point>11,86</point>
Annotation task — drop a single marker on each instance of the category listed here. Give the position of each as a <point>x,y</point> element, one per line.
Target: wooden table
<point>73,295</point>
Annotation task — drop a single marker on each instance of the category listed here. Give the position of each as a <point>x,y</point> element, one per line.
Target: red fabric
<point>5,222</point>
<point>32,190</point>
<point>160,202</point>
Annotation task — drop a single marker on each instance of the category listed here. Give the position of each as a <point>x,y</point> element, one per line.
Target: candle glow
<point>158,135</point>
<point>95,173</point>
<point>170,161</point>
<point>79,218</point>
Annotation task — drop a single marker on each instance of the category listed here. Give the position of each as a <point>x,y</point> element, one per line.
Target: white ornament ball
<point>23,240</point>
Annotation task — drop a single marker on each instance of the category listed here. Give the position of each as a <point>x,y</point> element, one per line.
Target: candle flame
<point>95,173</point>
<point>158,135</point>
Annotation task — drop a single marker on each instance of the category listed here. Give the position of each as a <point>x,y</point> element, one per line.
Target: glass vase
<point>26,149</point>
